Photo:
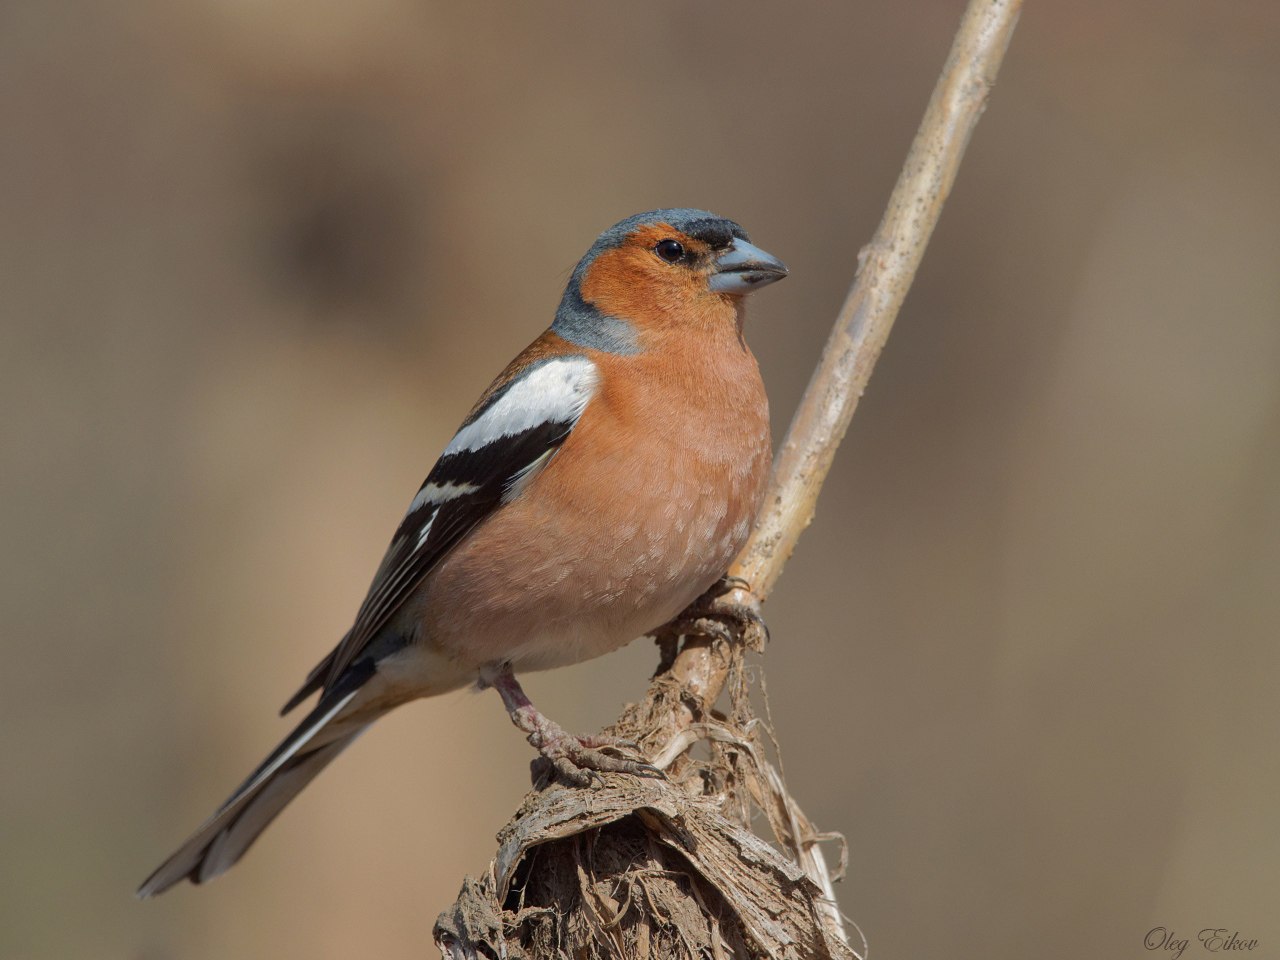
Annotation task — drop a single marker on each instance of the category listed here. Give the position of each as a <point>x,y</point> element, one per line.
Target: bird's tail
<point>324,733</point>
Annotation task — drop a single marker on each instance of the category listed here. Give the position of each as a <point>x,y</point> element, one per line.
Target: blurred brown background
<point>258,259</point>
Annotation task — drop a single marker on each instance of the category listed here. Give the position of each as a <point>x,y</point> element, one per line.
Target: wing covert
<point>506,441</point>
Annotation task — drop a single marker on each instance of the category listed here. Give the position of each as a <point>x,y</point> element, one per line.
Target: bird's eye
<point>669,250</point>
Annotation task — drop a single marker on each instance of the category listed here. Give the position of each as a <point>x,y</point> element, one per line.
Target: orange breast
<point>642,509</point>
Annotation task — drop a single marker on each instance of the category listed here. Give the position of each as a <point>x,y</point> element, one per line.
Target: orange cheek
<point>631,282</point>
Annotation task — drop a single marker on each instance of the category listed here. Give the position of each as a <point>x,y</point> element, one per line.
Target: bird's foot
<point>729,608</point>
<point>577,759</point>
<point>580,760</point>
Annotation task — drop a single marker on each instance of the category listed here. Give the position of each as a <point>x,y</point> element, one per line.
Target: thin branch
<point>886,268</point>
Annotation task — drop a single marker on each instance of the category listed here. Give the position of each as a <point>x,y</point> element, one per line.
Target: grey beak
<point>743,267</point>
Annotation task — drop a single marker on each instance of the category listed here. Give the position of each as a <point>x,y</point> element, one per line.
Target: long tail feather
<point>224,837</point>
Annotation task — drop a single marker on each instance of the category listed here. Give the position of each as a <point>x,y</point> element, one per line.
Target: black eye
<point>669,250</point>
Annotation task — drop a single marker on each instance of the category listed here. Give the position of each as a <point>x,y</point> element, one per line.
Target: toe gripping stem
<point>730,608</point>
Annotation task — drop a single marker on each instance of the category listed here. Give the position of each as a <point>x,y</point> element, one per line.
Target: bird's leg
<point>576,759</point>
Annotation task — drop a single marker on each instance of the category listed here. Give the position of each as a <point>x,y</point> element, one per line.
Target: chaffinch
<point>603,482</point>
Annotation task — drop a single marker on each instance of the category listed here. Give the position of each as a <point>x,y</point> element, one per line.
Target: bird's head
<point>660,270</point>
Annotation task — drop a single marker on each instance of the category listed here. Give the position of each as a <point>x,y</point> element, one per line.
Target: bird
<point>601,484</point>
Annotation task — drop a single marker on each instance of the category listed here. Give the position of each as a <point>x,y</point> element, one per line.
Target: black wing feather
<point>492,470</point>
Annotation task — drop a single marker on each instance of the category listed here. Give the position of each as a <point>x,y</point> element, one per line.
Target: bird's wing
<point>511,435</point>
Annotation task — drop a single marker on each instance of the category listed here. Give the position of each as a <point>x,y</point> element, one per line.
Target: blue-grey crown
<point>705,226</point>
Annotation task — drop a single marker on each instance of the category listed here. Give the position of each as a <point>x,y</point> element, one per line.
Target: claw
<point>728,584</point>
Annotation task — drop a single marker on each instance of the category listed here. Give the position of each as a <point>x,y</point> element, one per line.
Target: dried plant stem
<point>644,867</point>
<point>886,267</point>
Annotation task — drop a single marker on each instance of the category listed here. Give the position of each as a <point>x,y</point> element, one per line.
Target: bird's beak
<point>743,267</point>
